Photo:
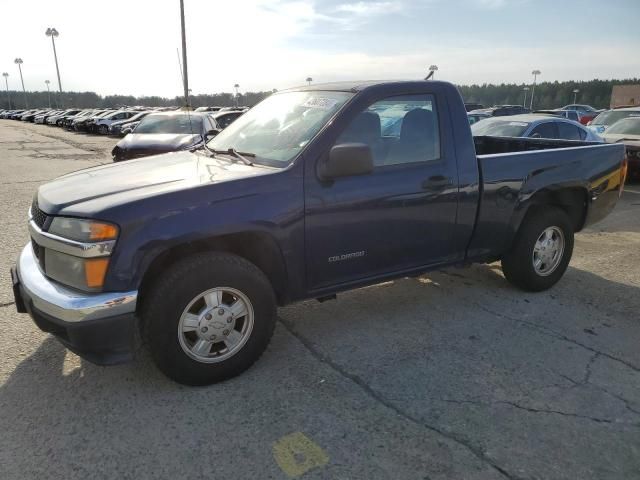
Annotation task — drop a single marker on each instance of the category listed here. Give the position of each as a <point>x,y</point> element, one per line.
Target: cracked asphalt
<point>453,375</point>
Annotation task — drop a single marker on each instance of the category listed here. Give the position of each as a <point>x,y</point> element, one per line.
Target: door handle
<point>437,182</point>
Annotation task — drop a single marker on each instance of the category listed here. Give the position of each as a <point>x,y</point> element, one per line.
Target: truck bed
<point>486,145</point>
<point>516,173</point>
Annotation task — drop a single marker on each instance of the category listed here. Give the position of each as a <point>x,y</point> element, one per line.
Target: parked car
<point>609,117</point>
<point>475,117</point>
<point>164,132</point>
<point>129,128</point>
<point>302,197</point>
<point>627,131</point>
<point>207,109</point>
<point>58,119</point>
<point>568,114</point>
<point>535,126</point>
<point>502,110</point>
<point>116,128</point>
<point>222,120</point>
<point>586,113</point>
<point>8,114</point>
<point>101,125</point>
<point>42,118</point>
<point>469,107</point>
<point>85,123</point>
<point>29,115</point>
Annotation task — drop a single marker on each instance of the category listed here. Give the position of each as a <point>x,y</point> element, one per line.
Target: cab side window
<point>399,130</point>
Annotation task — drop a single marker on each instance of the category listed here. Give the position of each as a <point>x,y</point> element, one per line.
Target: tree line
<point>596,93</point>
<point>93,100</point>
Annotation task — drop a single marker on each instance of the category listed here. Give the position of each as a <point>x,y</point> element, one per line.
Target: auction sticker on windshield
<point>322,103</point>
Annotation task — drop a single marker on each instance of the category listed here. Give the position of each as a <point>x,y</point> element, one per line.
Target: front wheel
<point>208,318</point>
<point>103,129</point>
<point>541,251</point>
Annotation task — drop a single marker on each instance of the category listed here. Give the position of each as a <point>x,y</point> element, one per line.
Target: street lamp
<point>309,80</point>
<point>6,81</point>
<point>236,88</point>
<point>575,95</point>
<point>433,69</point>
<point>185,73</point>
<point>19,62</point>
<point>524,103</point>
<point>48,91</point>
<point>53,33</point>
<point>535,74</point>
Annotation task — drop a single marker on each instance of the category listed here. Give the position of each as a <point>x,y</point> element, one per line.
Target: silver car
<point>534,126</point>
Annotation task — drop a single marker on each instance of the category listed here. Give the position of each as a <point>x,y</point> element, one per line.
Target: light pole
<point>433,69</point>
<point>309,80</point>
<point>53,33</point>
<point>524,103</point>
<point>48,91</point>
<point>19,62</point>
<point>6,82</point>
<point>185,74</point>
<point>237,87</point>
<point>535,74</point>
<point>575,95</point>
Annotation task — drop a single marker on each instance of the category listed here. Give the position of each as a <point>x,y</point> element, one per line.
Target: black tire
<point>517,264</point>
<point>103,129</point>
<point>177,287</point>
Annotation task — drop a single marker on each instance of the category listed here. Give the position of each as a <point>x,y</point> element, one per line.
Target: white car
<point>101,125</point>
<point>43,117</point>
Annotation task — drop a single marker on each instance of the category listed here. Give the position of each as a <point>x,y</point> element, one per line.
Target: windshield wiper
<point>234,153</point>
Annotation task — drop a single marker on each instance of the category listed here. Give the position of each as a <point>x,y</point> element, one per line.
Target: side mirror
<point>346,160</point>
<point>536,135</point>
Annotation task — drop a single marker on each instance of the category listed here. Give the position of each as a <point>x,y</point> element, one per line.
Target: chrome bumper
<point>64,303</point>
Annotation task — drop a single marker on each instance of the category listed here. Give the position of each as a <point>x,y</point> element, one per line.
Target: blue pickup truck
<point>314,191</point>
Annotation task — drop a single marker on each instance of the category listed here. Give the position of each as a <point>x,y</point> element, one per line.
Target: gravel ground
<point>454,375</point>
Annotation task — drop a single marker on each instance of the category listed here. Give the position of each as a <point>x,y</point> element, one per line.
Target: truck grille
<point>37,215</point>
<point>39,253</point>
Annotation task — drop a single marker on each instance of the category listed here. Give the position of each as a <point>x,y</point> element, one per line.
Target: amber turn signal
<point>102,231</point>
<point>95,270</point>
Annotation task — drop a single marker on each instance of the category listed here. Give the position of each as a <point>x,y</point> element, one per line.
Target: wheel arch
<point>572,200</point>
<point>257,247</point>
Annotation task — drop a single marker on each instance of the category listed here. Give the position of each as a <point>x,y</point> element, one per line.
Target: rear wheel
<point>541,251</point>
<point>103,129</point>
<point>208,318</point>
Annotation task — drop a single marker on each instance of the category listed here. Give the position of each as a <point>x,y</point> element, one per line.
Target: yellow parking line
<point>296,454</point>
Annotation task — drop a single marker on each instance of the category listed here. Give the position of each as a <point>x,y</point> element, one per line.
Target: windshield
<point>499,128</point>
<point>179,123</point>
<point>612,116</point>
<point>627,126</point>
<point>279,127</point>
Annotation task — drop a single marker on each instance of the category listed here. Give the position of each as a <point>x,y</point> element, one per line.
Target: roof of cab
<point>356,85</point>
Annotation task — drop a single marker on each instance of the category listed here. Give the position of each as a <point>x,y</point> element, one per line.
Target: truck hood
<point>139,142</point>
<point>120,183</point>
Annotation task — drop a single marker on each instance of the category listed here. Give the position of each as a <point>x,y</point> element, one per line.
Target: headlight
<point>81,273</point>
<point>85,272</point>
<point>83,230</point>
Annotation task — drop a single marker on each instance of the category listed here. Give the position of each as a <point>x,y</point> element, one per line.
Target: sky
<point>129,47</point>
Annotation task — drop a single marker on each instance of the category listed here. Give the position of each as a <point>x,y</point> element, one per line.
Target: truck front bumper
<point>100,327</point>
